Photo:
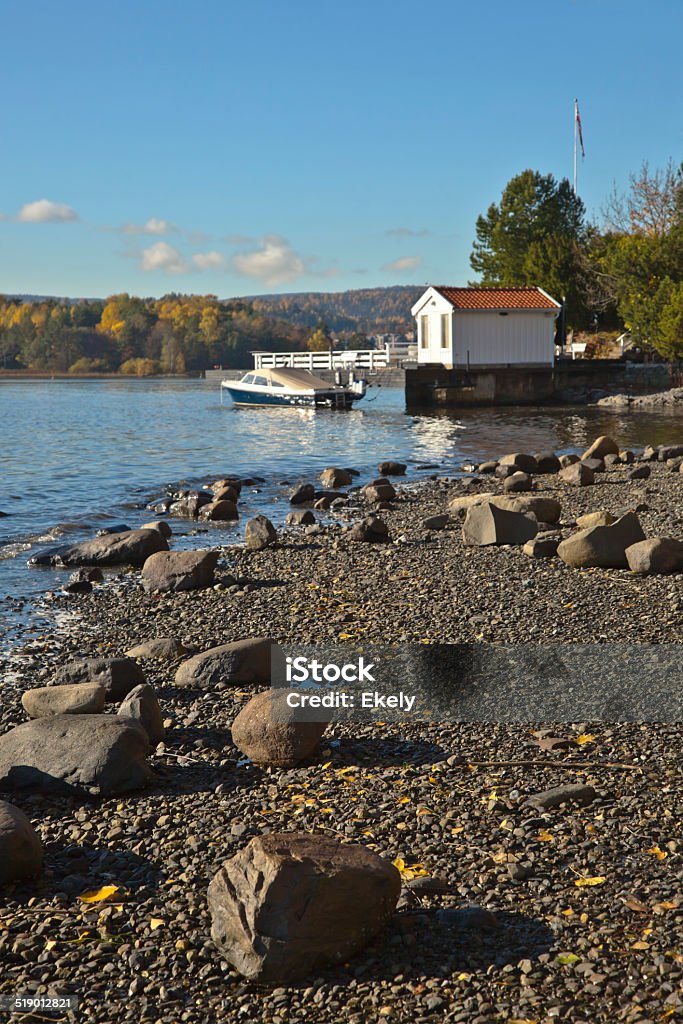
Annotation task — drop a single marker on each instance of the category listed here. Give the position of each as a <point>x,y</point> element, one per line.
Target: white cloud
<point>43,211</point>
<point>152,226</point>
<point>274,262</point>
<point>404,263</point>
<point>162,256</point>
<point>209,260</point>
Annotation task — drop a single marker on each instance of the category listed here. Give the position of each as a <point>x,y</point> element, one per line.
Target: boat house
<point>485,327</point>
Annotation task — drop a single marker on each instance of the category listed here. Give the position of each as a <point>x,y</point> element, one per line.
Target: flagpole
<point>576,105</point>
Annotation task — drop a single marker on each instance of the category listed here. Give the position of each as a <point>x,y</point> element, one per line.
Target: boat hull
<point>336,399</point>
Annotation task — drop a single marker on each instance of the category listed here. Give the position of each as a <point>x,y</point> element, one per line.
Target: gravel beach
<point>510,912</point>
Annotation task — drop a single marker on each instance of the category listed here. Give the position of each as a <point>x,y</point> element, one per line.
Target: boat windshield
<point>248,378</point>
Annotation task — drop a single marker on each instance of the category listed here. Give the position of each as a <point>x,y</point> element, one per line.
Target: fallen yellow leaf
<point>545,837</point>
<point>595,880</point>
<point>585,737</point>
<point>98,895</point>
<point>659,854</point>
<point>156,922</point>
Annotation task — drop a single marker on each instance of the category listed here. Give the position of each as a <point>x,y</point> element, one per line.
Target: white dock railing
<point>344,359</point>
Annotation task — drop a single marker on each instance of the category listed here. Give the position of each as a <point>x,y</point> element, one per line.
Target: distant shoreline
<point>50,375</point>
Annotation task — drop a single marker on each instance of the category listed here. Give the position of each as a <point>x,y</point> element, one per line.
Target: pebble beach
<point>509,910</point>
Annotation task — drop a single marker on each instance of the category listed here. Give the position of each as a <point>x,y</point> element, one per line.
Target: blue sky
<point>241,148</point>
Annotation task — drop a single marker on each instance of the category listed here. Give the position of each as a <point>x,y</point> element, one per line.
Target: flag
<point>578,125</point>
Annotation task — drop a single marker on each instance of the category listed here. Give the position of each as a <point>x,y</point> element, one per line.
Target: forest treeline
<point>361,310</point>
<point>175,334</point>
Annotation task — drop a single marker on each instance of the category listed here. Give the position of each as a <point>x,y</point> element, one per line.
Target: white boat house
<point>476,327</point>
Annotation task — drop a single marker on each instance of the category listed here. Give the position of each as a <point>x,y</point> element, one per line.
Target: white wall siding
<point>492,339</point>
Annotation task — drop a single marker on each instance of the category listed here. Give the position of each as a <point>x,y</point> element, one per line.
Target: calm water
<point>79,455</point>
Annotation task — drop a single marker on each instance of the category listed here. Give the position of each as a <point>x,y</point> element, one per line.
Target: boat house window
<point>424,332</point>
<point>445,330</point>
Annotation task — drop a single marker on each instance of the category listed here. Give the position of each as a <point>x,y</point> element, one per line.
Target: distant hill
<point>370,310</point>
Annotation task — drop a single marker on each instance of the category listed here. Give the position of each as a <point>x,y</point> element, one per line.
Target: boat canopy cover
<point>294,379</point>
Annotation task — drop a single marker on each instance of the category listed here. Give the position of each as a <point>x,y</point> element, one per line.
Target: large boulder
<point>391,468</point>
<point>521,462</point>
<point>102,754</point>
<point>301,494</point>
<point>301,517</point>
<point>220,510</point>
<point>669,451</point>
<point>160,525</point>
<point>287,905</point>
<point>541,547</point>
<point>118,676</point>
<point>271,733</point>
<point>547,462</point>
<point>602,546</point>
<point>597,465</point>
<point>517,481</point>
<point>179,570</point>
<point>21,851</point>
<point>379,492</point>
<point>130,548</point>
<point>601,518</point>
<point>546,510</point>
<point>639,472</point>
<point>233,482</point>
<point>578,474</point>
<point>568,460</point>
<point>656,555</point>
<point>243,661</point>
<point>71,699</point>
<point>371,530</point>
<point>189,506</point>
<point>163,648</point>
<point>602,446</point>
<point>335,478</point>
<point>489,524</point>
<point>142,706</point>
<point>259,533</point>
<point>225,494</point>
<point>460,505</point>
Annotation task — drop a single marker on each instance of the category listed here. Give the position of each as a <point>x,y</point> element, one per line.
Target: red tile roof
<point>497,298</point>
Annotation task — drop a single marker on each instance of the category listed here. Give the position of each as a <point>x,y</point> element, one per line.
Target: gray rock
<point>391,468</point>
<point>70,699</point>
<point>462,503</point>
<point>142,706</point>
<point>301,517</point>
<point>438,522</point>
<point>656,556</point>
<point>541,547</point>
<point>597,465</point>
<point>160,525</point>
<point>595,519</point>
<point>578,474</point>
<point>335,478</point>
<point>102,754</point>
<point>301,494</point>
<point>547,462</point>
<point>517,482</point>
<point>163,648</point>
<point>640,472</point>
<point>287,905</point>
<point>371,530</point>
<point>21,851</point>
<point>226,494</point>
<point>570,793</point>
<point>131,548</point>
<point>487,467</point>
<point>233,482</point>
<point>244,661</point>
<point>118,676</point>
<point>546,510</point>
<point>627,456</point>
<point>259,533</point>
<point>602,446</point>
<point>568,460</point>
<point>173,571</point>
<point>602,546</point>
<point>87,576</point>
<point>521,461</point>
<point>488,524</point>
<point>379,492</point>
<point>669,451</point>
<point>269,732</point>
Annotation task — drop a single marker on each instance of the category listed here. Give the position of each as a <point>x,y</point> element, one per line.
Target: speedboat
<point>285,386</point>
